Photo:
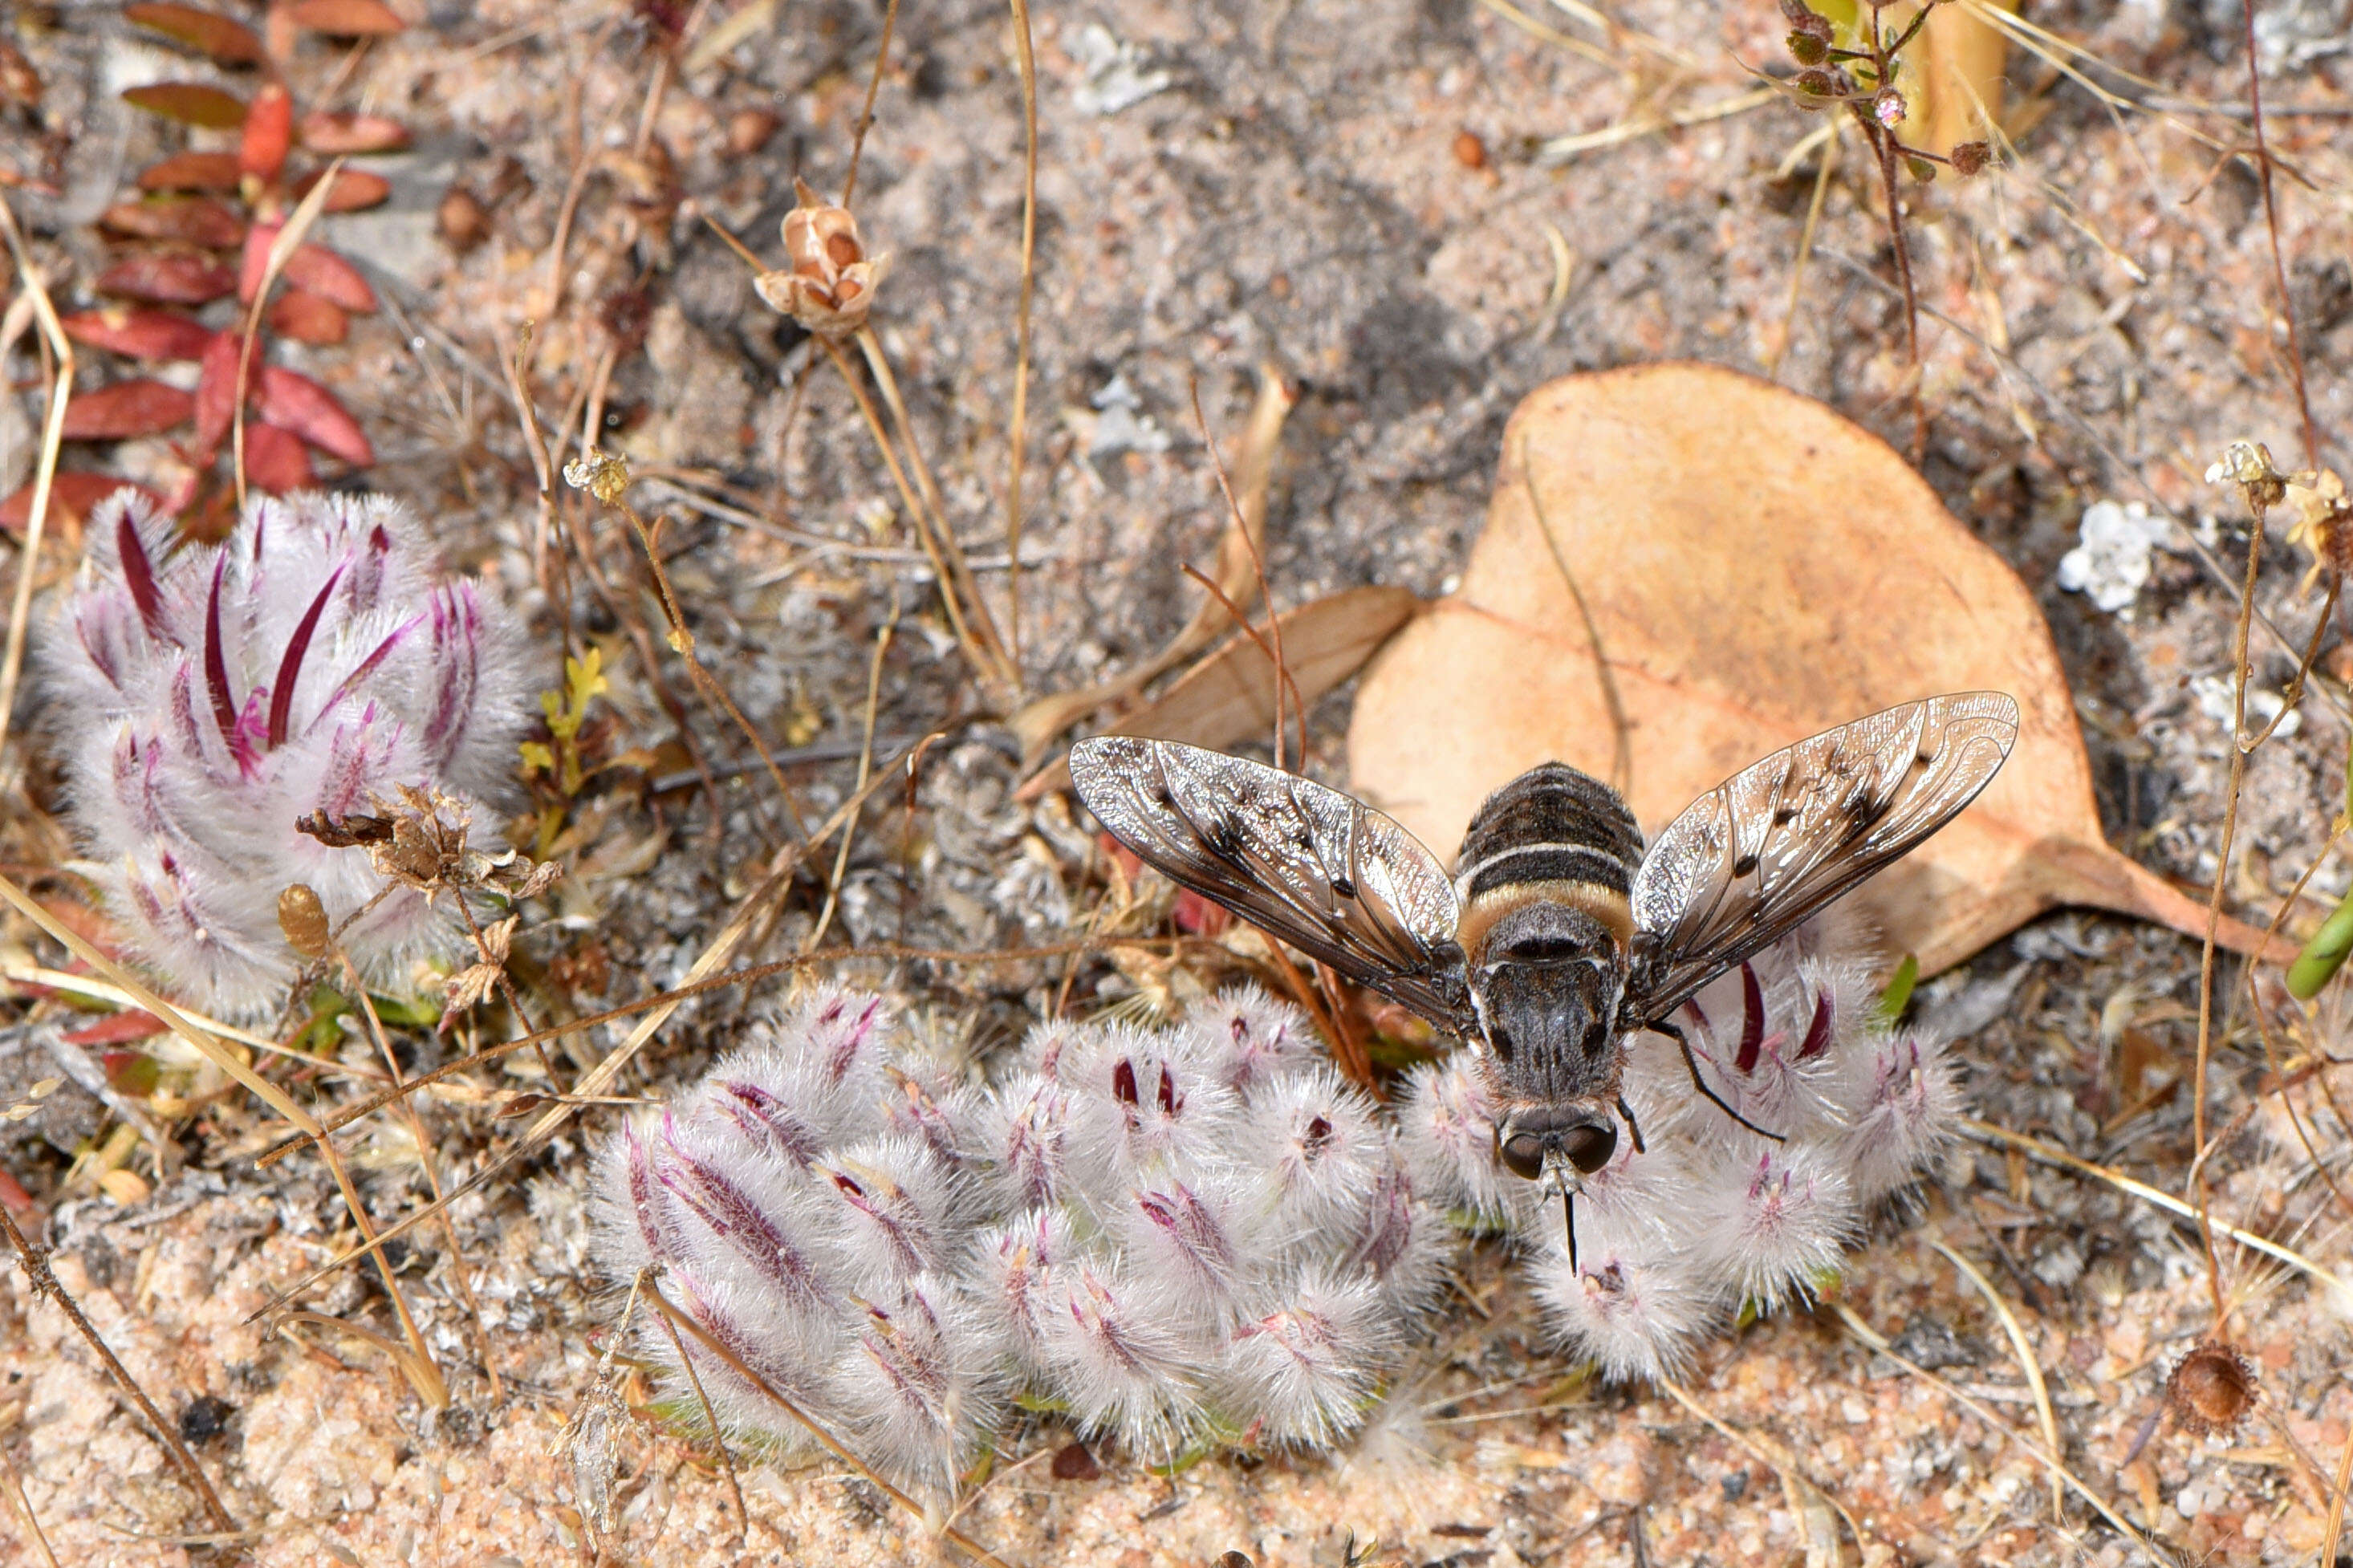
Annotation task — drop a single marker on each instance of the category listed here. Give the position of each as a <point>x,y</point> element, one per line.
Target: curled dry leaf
<point>139,407</point>
<point>168,278</point>
<point>1238,549</point>
<point>1758,569</point>
<point>1230,695</point>
<point>142,334</point>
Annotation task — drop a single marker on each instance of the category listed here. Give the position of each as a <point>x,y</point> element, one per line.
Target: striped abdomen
<point>1551,836</point>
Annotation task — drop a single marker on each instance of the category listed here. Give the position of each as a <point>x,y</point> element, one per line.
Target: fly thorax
<point>1548,986</point>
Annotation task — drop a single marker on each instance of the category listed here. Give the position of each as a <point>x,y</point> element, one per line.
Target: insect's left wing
<point>1325,873</point>
<point>1750,860</point>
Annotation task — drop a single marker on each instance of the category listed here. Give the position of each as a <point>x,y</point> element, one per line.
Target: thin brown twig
<point>35,1259</point>
<point>865,771</point>
<point>718,1438</point>
<point>281,250</point>
<point>2279,265</point>
<point>1266,596</point>
<point>1017,427</point>
<point>2234,780</point>
<point>866,111</point>
<point>1805,250</point>
<point>1621,749</point>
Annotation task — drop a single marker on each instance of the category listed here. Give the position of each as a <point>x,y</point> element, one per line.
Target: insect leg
<point>1668,1027</point>
<point>1633,1126</point>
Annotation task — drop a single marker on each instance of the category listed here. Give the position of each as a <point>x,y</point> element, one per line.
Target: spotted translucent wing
<point>1328,874</point>
<point>1782,837</point>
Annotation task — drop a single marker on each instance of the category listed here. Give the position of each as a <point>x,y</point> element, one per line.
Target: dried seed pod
<point>828,281</point>
<point>303,919</point>
<point>2211,1388</point>
<point>1969,158</point>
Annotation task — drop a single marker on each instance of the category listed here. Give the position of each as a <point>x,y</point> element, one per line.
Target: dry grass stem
<point>53,431</point>
<point>2034,1148</point>
<point>282,247</point>
<point>866,109</point>
<point>1994,1422</point>
<point>24,1506</point>
<point>2024,1350</point>
<point>1818,1513</point>
<point>1622,746</point>
<point>1827,135</point>
<point>1018,427</point>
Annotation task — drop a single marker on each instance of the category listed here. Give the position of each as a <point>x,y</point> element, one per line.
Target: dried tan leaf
<point>1038,724</point>
<point>1758,569</point>
<point>1230,695</point>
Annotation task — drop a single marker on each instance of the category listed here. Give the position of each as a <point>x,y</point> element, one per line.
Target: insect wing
<point>1778,841</point>
<point>1328,874</point>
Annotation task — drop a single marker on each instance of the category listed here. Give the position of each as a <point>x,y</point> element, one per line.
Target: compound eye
<point>1588,1147</point>
<point>1524,1156</point>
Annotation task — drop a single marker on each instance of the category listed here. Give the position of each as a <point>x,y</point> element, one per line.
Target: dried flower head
<point>208,699</point>
<point>2211,1388</point>
<point>2249,465</point>
<point>2324,523</point>
<point>1970,158</point>
<point>828,281</point>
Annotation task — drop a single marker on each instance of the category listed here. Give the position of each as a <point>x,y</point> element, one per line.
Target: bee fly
<point>1559,938</point>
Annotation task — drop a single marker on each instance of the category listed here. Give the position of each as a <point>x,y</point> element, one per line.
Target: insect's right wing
<point>1754,856</point>
<point>1325,873</point>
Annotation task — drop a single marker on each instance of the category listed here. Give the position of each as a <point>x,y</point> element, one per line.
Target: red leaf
<point>354,189</point>
<point>198,220</point>
<point>192,172</point>
<point>139,407</point>
<point>189,102</point>
<point>173,276</point>
<point>117,1029</point>
<point>334,135</point>
<point>1197,916</point>
<point>330,276</point>
<point>206,32</point>
<point>72,490</point>
<point>215,390</point>
<point>275,461</point>
<point>143,334</point>
<point>298,404</point>
<point>308,319</point>
<point>134,1073</point>
<point>269,132</point>
<point>345,18</point>
<point>253,263</point>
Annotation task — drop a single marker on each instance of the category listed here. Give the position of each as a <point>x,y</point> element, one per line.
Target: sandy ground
<point>1360,193</point>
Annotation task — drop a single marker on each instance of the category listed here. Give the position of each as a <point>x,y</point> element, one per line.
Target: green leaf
<point>1898,995</point>
<point>2323,955</point>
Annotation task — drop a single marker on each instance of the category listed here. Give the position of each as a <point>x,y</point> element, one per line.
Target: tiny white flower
<point>2112,563</point>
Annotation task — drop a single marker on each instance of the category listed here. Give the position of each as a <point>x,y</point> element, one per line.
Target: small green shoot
<point>1898,995</point>
<point>2324,954</point>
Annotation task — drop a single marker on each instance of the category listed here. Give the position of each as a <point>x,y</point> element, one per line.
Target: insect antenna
<point>1673,1031</point>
